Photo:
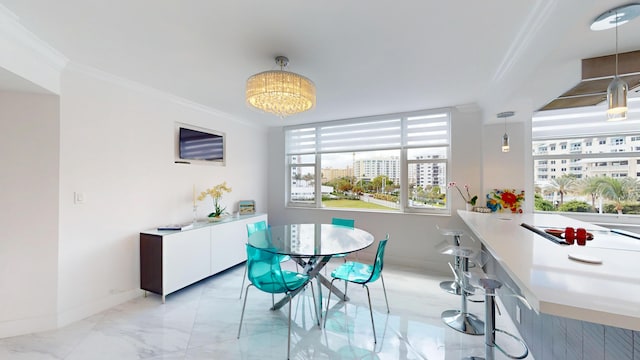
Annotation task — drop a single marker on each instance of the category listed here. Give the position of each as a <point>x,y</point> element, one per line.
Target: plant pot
<point>469,207</point>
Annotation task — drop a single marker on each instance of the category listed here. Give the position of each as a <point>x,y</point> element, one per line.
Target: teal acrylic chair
<point>350,223</point>
<point>264,272</point>
<point>343,222</point>
<point>362,274</point>
<point>261,241</point>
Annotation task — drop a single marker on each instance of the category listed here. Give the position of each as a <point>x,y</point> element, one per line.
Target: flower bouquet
<point>471,200</point>
<point>216,193</point>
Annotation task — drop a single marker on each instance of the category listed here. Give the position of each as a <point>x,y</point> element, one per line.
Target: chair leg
<point>244,277</point>
<point>345,291</point>
<point>243,306</point>
<point>385,293</point>
<point>326,313</point>
<point>289,335</point>
<point>345,283</point>
<point>373,326</point>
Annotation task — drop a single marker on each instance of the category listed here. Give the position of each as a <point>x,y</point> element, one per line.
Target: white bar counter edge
<point>607,293</point>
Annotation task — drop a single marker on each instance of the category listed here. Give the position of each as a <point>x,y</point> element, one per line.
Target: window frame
<point>603,144</point>
<point>405,143</point>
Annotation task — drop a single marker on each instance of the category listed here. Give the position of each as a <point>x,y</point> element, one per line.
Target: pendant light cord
<point>616,43</point>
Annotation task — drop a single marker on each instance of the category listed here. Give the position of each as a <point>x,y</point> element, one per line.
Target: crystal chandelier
<point>280,92</point>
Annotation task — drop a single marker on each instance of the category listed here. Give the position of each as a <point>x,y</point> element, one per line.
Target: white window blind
<point>568,123</point>
<point>380,133</point>
<point>427,130</point>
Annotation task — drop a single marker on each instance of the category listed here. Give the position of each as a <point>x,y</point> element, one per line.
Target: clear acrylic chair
<point>362,274</point>
<point>264,273</point>
<point>461,320</point>
<point>452,286</point>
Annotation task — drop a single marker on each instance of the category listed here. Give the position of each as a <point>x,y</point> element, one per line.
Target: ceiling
<point>366,57</point>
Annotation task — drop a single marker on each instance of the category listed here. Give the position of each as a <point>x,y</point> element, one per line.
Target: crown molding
<point>468,108</point>
<point>12,29</point>
<point>151,91</point>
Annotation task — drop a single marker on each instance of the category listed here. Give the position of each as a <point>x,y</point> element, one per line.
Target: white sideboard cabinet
<point>172,260</point>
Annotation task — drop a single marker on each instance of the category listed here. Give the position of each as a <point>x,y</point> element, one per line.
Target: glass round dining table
<point>308,240</point>
<point>311,246</point>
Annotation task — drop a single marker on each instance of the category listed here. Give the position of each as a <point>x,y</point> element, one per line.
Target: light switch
<point>78,198</point>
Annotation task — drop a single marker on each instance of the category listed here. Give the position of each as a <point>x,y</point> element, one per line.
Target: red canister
<point>581,236</point>
<point>569,235</point>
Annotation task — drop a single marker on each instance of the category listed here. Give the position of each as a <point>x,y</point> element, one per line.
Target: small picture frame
<point>246,207</point>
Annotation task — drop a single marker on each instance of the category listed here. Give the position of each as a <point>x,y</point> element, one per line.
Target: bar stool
<point>461,320</point>
<point>489,287</point>
<point>451,286</point>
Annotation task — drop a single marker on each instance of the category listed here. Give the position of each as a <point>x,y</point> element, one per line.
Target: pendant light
<point>280,92</point>
<point>505,137</point>
<point>618,88</point>
<point>617,91</point>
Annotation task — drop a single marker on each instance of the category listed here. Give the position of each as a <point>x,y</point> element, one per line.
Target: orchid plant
<point>468,198</point>
<point>216,193</point>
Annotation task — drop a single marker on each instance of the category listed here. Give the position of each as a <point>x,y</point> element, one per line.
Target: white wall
<point>113,141</point>
<point>508,170</point>
<point>117,148</point>
<point>29,154</point>
<point>412,237</point>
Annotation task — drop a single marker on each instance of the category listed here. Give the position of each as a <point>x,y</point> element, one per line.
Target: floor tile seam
<point>85,335</point>
<point>195,317</point>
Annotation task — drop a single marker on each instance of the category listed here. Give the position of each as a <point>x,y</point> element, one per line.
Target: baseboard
<point>27,326</point>
<point>68,316</point>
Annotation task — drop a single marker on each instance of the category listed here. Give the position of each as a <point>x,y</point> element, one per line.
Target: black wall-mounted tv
<point>200,145</point>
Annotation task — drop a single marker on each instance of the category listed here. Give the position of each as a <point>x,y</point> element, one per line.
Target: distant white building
<point>308,192</point>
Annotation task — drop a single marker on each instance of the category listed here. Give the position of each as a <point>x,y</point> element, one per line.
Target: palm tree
<point>589,186</point>
<point>619,190</point>
<point>562,185</point>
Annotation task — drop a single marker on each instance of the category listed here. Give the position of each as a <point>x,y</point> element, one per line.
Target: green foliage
<point>575,206</point>
<point>627,208</point>
<point>542,204</point>
<point>386,197</point>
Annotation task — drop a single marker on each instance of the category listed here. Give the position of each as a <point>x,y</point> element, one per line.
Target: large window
<point>604,166</point>
<point>393,163</point>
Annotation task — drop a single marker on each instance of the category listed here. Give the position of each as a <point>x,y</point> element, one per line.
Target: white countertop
<point>606,293</point>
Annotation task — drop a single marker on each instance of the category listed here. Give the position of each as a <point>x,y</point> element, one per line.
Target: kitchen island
<point>580,309</point>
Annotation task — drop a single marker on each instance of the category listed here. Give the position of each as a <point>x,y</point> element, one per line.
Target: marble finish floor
<point>201,322</point>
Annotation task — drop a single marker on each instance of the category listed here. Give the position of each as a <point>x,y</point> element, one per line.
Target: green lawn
<point>354,204</point>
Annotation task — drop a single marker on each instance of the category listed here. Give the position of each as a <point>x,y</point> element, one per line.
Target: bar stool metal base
<point>451,287</point>
<point>463,322</point>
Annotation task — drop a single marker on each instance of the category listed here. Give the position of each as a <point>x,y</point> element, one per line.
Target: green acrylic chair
<point>262,240</point>
<point>264,273</point>
<point>362,274</point>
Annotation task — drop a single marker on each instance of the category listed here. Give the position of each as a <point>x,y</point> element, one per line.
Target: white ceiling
<point>367,57</point>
